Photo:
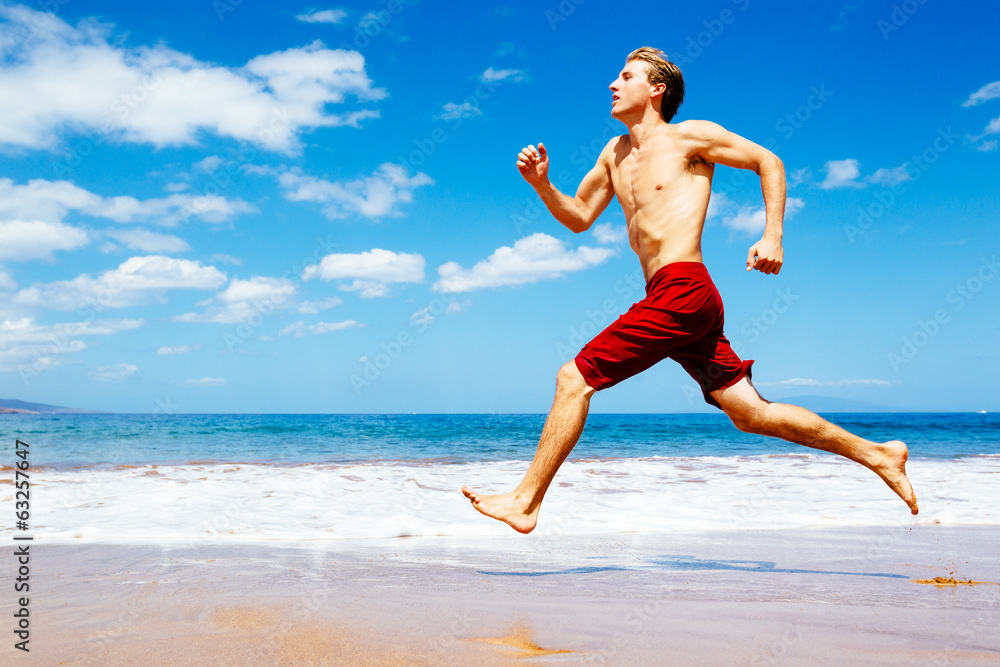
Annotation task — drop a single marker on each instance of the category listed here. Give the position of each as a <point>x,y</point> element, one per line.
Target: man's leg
<point>753,414</point>
<point>519,508</point>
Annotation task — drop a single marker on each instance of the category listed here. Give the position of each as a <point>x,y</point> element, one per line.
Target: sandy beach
<point>822,596</point>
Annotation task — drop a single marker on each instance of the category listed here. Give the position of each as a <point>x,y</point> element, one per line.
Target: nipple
<point>659,187</point>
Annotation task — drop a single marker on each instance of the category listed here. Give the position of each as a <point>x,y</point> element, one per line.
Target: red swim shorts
<point>681,318</point>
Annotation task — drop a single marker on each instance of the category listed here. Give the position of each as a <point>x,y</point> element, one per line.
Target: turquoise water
<point>64,441</point>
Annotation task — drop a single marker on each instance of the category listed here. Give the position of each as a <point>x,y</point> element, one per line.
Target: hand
<point>765,255</point>
<point>534,164</point>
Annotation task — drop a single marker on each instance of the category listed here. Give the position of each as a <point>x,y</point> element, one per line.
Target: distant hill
<point>9,405</point>
<point>830,404</point>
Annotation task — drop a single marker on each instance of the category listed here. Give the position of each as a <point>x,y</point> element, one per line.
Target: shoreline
<point>825,596</point>
<point>236,503</point>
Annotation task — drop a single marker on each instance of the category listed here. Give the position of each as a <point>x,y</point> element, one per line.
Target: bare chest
<point>643,177</point>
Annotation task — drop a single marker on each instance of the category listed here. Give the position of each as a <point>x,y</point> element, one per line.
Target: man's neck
<point>642,128</point>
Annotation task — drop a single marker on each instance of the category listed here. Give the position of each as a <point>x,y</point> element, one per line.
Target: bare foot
<point>508,507</point>
<point>892,470</point>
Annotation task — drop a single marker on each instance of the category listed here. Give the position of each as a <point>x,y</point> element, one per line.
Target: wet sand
<point>818,597</point>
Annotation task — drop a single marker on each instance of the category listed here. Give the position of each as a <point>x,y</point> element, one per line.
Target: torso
<point>664,190</point>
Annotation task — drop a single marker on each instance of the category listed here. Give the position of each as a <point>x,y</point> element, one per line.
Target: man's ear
<point>659,89</point>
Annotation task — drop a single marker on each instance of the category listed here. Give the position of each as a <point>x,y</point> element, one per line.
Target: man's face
<point>631,89</point>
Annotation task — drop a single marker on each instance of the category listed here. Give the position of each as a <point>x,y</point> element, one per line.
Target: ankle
<point>877,455</point>
<point>526,500</point>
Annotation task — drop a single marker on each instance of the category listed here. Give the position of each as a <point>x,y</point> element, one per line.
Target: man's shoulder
<point>697,128</point>
<point>616,142</point>
<point>613,147</point>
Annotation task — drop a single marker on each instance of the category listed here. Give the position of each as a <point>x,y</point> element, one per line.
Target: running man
<point>662,176</point>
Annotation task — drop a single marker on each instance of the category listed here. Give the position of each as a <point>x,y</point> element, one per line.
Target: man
<point>662,176</point>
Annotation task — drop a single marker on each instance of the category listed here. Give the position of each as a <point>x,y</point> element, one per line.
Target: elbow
<point>574,225</point>
<point>771,162</point>
<point>579,219</point>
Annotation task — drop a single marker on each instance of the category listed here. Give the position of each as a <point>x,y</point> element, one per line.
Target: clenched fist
<point>766,256</point>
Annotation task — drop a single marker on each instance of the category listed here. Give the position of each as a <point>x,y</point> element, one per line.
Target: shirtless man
<point>662,176</point>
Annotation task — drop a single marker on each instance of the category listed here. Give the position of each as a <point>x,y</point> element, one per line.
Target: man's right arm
<point>592,197</point>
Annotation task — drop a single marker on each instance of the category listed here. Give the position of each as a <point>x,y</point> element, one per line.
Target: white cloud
<point>845,174</point>
<point>300,328</point>
<point>422,317</point>
<point>7,283</point>
<point>22,240</point>
<point>115,373</point>
<point>889,177</point>
<point>30,348</point>
<point>842,174</point>
<point>988,92</point>
<point>256,289</point>
<point>425,316</point>
<point>324,16</point>
<point>808,382</point>
<point>494,75</point>
<point>177,349</point>
<point>204,382</point>
<point>609,233</point>
<point>137,280</point>
<point>51,201</point>
<point>718,204</point>
<point>297,328</point>
<point>463,110</point>
<point>209,164</point>
<point>373,196</point>
<point>313,307</point>
<point>147,241</point>
<point>993,127</point>
<point>244,298</point>
<point>987,146</point>
<point>260,170</point>
<point>456,307</point>
<point>84,79</point>
<point>373,270</point>
<point>752,220</point>
<point>800,176</point>
<point>228,259</point>
<point>533,258</point>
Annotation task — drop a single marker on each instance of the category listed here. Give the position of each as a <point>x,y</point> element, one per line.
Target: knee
<point>569,379</point>
<point>749,420</point>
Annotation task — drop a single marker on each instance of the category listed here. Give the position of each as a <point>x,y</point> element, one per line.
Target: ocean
<point>312,479</point>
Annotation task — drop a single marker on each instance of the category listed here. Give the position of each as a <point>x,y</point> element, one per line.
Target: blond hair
<point>661,70</point>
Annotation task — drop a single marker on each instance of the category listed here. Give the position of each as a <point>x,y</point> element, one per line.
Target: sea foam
<point>218,502</point>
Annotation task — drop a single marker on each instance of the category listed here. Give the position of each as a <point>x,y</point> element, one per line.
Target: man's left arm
<point>714,143</point>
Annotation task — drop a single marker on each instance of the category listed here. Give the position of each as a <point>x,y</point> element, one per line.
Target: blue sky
<point>267,207</point>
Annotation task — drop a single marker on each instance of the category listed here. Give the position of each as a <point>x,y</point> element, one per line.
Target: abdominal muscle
<point>664,193</point>
<point>667,227</point>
